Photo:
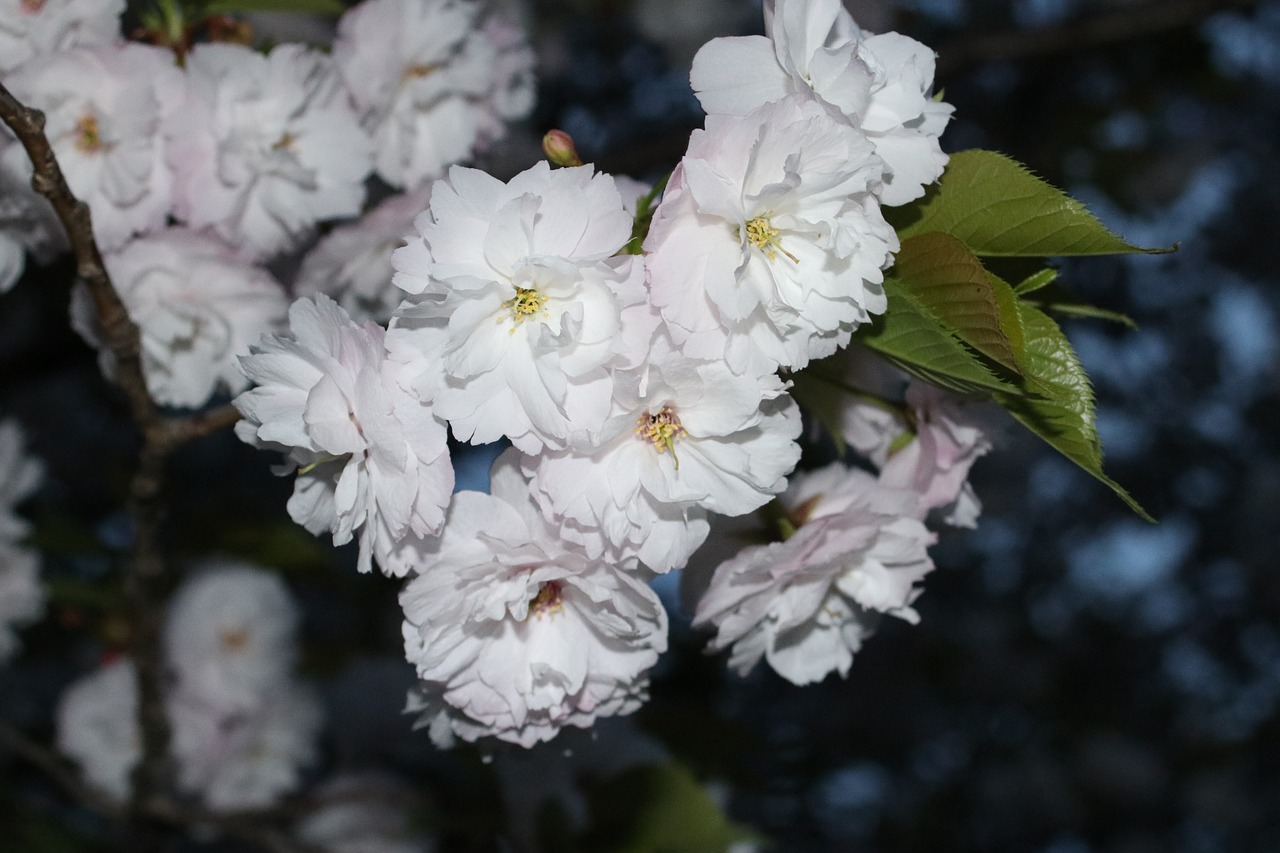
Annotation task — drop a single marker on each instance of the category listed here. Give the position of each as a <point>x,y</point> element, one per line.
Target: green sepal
<point>644,217</point>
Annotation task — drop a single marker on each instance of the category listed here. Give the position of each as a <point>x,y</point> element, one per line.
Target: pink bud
<point>559,148</point>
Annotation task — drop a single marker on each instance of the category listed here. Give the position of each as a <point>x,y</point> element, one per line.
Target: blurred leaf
<point>949,280</point>
<point>996,206</point>
<point>1032,283</point>
<point>644,217</point>
<point>658,808</point>
<point>1064,416</point>
<point>910,336</point>
<point>233,7</point>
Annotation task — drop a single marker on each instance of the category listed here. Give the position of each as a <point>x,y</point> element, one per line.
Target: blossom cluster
<point>202,163</point>
<point>642,394</point>
<point>243,726</point>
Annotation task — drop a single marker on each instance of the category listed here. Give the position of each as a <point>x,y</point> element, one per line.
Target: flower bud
<point>559,148</point>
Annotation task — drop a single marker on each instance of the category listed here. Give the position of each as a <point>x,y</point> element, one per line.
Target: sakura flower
<point>806,604</point>
<point>104,108</point>
<point>770,232</point>
<point>198,306</point>
<point>230,634</point>
<point>266,146</point>
<point>368,455</point>
<point>429,82</point>
<point>685,438</point>
<point>247,759</point>
<point>30,28</point>
<point>352,263</point>
<point>879,83</point>
<point>951,432</point>
<point>230,761</point>
<point>97,727</point>
<point>21,594</point>
<point>516,633</point>
<point>27,225</point>
<point>522,300</point>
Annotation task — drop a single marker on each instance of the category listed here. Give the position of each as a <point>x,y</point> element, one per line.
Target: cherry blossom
<point>856,550</point>
<point>368,455</point>
<point>516,633</point>
<point>104,110</point>
<point>879,83</point>
<point>352,263</point>
<point>431,81</point>
<point>30,28</point>
<point>21,593</point>
<point>198,305</point>
<point>521,299</point>
<point>769,247</point>
<point>265,146</point>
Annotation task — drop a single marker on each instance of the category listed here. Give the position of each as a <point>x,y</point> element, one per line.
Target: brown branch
<point>147,585</point>
<point>1124,25</point>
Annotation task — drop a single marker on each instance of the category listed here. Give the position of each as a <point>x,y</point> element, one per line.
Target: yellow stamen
<point>285,143</point>
<point>525,304</point>
<point>413,72</point>
<point>762,235</point>
<point>234,641</point>
<point>662,430</point>
<point>547,602</point>
<point>88,135</point>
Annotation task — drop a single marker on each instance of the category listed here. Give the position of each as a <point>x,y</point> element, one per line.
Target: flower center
<point>414,72</point>
<point>233,641</point>
<point>662,430</point>
<point>88,134</point>
<point>762,235</point>
<point>525,304</point>
<point>285,143</point>
<point>32,7</point>
<point>547,602</point>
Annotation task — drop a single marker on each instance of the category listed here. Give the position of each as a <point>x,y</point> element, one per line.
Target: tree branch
<point>1124,25</point>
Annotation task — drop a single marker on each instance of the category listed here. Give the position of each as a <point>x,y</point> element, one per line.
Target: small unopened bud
<point>559,148</point>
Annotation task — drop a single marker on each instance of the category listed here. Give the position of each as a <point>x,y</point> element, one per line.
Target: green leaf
<point>997,207</point>
<point>658,808</point>
<point>1064,416</point>
<point>949,280</point>
<point>644,217</point>
<point>910,336</point>
<point>1085,311</point>
<point>313,7</point>
<point>1034,282</point>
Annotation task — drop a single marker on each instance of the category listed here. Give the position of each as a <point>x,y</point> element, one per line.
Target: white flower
<point>522,301</point>
<point>685,438</point>
<point>806,604</point>
<point>104,108</point>
<point>362,815</point>
<point>230,634</point>
<point>951,433</point>
<point>266,146</point>
<point>31,28</point>
<point>247,759</point>
<point>198,306</point>
<point>27,224</point>
<point>369,455</point>
<point>352,263</point>
<point>97,727</point>
<point>770,233</point>
<point>429,83</point>
<point>880,83</point>
<point>516,633</point>
<point>21,594</point>
<point>231,761</point>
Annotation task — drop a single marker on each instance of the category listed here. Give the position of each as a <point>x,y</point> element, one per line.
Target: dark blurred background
<point>1080,680</point>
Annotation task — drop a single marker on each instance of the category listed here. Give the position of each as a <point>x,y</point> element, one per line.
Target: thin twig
<point>1048,43</point>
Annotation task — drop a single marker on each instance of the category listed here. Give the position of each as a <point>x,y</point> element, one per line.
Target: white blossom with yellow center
<point>769,247</point>
<point>520,297</point>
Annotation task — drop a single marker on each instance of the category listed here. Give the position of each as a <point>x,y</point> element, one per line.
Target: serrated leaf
<point>239,7</point>
<point>911,337</point>
<point>1032,283</point>
<point>1064,415</point>
<point>997,207</point>
<point>949,280</point>
<point>1070,308</point>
